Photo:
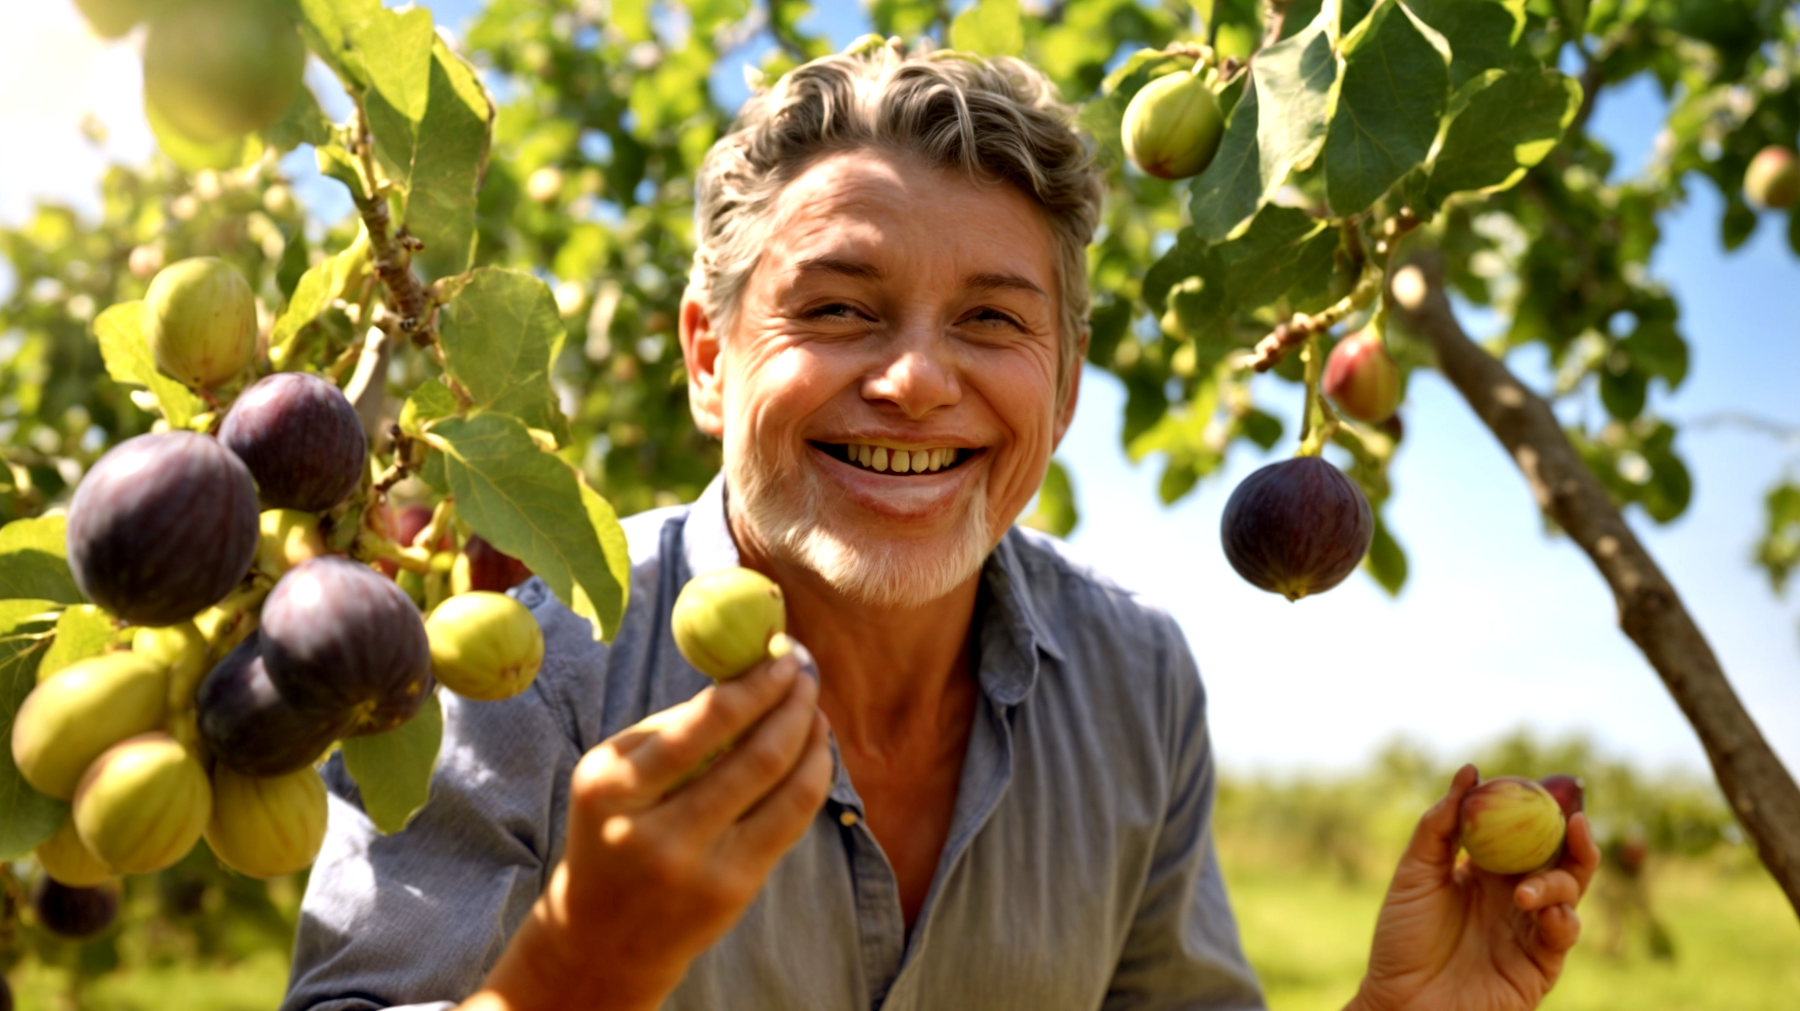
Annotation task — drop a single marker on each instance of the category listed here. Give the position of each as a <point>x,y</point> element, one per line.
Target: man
<point>993,790</point>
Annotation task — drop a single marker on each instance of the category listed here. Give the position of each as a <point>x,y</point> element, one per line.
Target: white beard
<point>784,516</point>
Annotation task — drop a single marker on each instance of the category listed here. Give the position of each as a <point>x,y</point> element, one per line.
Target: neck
<point>886,675</point>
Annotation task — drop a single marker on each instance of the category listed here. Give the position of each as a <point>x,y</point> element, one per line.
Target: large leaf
<point>325,280</point>
<point>533,506</point>
<point>1510,121</point>
<point>27,817</point>
<point>1294,89</point>
<point>393,769</point>
<point>1228,194</point>
<point>437,160</point>
<point>34,561</point>
<point>402,74</point>
<point>1480,33</point>
<point>331,28</point>
<point>500,334</point>
<point>1396,87</point>
<point>82,631</point>
<point>989,27</point>
<point>1386,560</point>
<point>124,334</point>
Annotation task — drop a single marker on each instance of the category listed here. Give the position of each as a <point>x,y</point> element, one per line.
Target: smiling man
<point>993,788</point>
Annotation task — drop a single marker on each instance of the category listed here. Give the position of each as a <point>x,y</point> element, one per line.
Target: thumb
<point>1435,841</point>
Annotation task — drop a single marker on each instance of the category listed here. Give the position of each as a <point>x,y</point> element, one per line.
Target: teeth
<point>881,458</point>
<point>899,461</point>
<point>864,454</point>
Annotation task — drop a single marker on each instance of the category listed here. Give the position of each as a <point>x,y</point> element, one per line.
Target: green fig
<point>484,645</point>
<point>143,804</point>
<point>1511,825</point>
<point>217,69</point>
<point>289,537</point>
<point>202,321</point>
<point>181,651</point>
<point>267,827</point>
<point>1773,179</point>
<point>68,861</point>
<point>1173,125</point>
<point>724,619</point>
<point>69,720</point>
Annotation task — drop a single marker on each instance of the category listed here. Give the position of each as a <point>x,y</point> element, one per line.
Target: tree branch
<point>1760,791</point>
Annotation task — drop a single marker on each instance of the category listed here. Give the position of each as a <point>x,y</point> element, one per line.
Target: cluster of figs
<point>244,646</point>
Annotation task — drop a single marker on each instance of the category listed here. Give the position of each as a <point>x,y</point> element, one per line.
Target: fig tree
<point>1511,825</point>
<point>289,537</point>
<point>341,640</point>
<point>1172,126</point>
<point>202,321</point>
<point>216,69</point>
<point>1361,378</point>
<point>1296,527</point>
<point>67,861</point>
<point>481,566</point>
<point>74,912</point>
<point>484,646</point>
<point>301,439</point>
<point>723,621</point>
<point>249,727</point>
<point>143,804</point>
<point>267,827</point>
<point>69,720</point>
<point>1773,179</point>
<point>162,527</point>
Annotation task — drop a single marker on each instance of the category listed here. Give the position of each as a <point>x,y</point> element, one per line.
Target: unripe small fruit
<point>267,827</point>
<point>202,321</point>
<point>1362,379</point>
<point>217,69</point>
<point>67,861</point>
<point>1568,790</point>
<point>73,912</point>
<point>1296,527</point>
<point>1173,125</point>
<point>69,720</point>
<point>1773,179</point>
<point>723,621</point>
<point>289,537</point>
<point>1511,825</point>
<point>485,646</point>
<point>180,650</point>
<point>143,804</point>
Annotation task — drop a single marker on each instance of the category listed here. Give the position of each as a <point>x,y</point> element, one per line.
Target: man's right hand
<point>656,869</point>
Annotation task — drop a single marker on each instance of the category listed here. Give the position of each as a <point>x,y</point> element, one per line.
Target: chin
<point>790,521</point>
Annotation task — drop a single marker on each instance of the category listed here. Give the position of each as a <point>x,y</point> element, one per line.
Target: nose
<point>920,374</point>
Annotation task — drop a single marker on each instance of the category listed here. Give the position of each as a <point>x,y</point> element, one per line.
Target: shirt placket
<point>880,922</point>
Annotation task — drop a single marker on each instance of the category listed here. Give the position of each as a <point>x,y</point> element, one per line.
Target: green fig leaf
<point>1509,121</point>
<point>990,27</point>
<point>82,631</point>
<point>501,333</point>
<point>123,331</point>
<point>1395,89</point>
<point>34,561</point>
<point>27,817</point>
<point>393,769</point>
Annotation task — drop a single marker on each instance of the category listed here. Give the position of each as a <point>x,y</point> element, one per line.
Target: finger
<point>1435,841</point>
<point>780,819</point>
<point>754,766</point>
<point>1546,889</point>
<point>707,723</point>
<point>1581,857</point>
<point>1559,927</point>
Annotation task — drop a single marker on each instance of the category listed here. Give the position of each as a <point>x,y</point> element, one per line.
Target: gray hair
<point>996,119</point>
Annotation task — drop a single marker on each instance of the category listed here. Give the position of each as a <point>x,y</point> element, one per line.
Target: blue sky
<point>1500,626</point>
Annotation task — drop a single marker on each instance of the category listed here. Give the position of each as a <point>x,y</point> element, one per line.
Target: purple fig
<point>1296,527</point>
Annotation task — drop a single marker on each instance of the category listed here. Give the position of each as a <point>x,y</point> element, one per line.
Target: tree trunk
<point>1760,791</point>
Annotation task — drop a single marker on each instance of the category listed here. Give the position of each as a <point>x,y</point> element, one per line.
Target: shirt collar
<point>1014,613</point>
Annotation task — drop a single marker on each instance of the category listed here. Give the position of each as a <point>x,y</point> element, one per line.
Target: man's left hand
<point>1452,937</point>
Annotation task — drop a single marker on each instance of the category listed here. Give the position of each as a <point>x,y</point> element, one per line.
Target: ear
<point>700,350</point>
<point>1065,414</point>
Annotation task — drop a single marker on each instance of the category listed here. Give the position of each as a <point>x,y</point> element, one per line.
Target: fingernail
<point>805,658</point>
<point>1529,893</point>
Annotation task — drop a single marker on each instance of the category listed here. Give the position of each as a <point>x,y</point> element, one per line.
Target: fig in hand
<point>89,706</point>
<point>267,827</point>
<point>1173,125</point>
<point>724,620</point>
<point>1361,378</point>
<point>1296,527</point>
<point>202,321</point>
<point>484,646</point>
<point>143,804</point>
<point>162,527</point>
<point>1773,179</point>
<point>1511,825</point>
<point>301,439</point>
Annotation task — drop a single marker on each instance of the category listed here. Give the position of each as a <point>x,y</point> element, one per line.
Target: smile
<point>890,460</point>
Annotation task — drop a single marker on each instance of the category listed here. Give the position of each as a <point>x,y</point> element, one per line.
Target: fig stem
<point>1317,422</point>
<point>408,557</point>
<point>434,528</point>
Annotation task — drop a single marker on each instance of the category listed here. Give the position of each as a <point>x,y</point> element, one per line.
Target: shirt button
<point>847,819</point>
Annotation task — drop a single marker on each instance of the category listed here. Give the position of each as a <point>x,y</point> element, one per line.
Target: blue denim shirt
<point>1079,872</point>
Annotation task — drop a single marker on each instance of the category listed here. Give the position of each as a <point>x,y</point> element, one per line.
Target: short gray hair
<point>996,119</point>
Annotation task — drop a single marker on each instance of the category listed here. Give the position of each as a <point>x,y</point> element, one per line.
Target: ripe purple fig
<point>1511,825</point>
<point>202,321</point>
<point>1172,126</point>
<point>1296,527</point>
<point>1568,791</point>
<point>249,727</point>
<point>74,912</point>
<point>1773,179</point>
<point>1362,379</point>
<point>481,566</point>
<point>162,527</point>
<point>341,640</point>
<point>301,439</point>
